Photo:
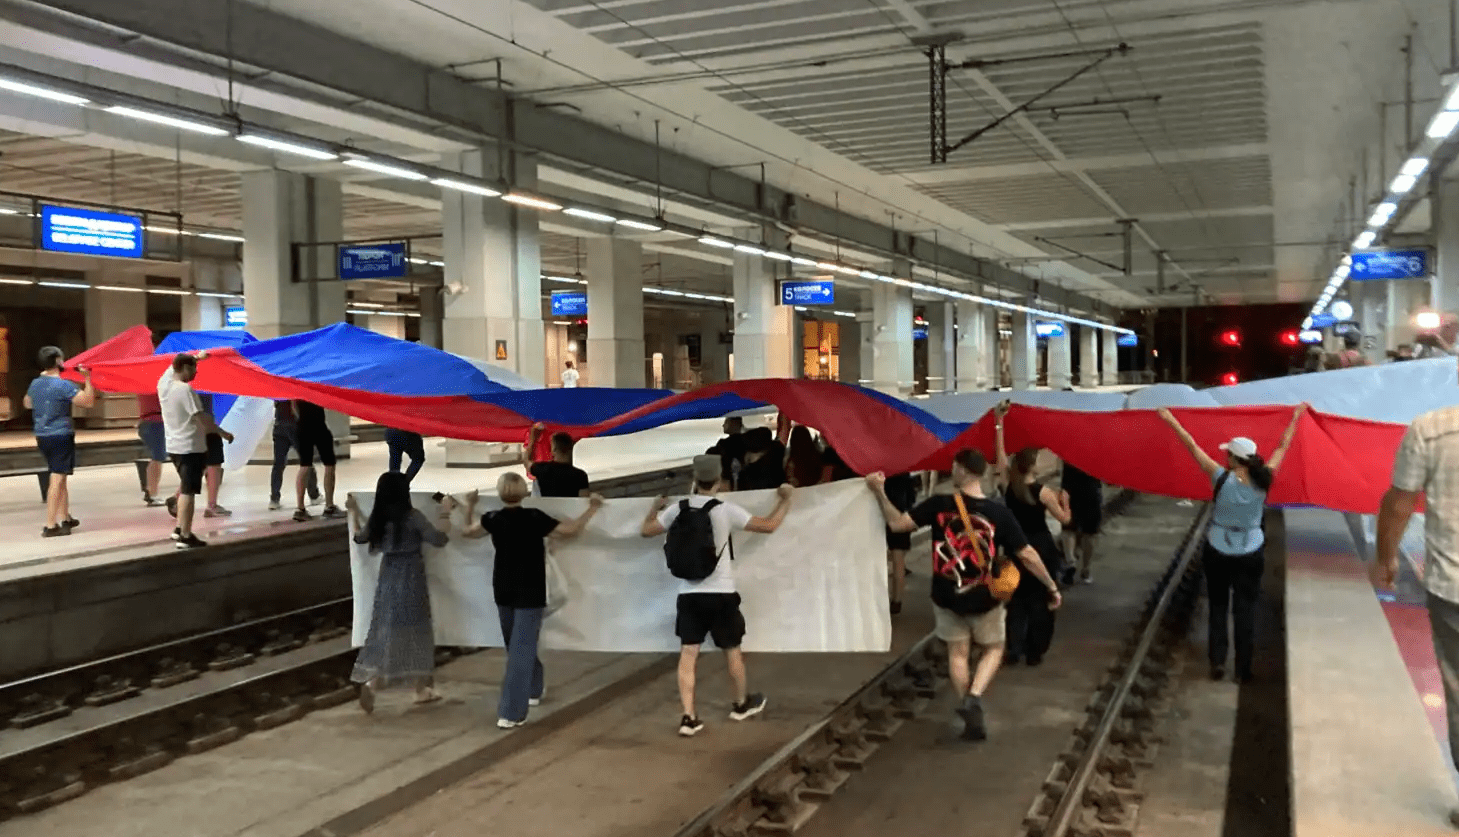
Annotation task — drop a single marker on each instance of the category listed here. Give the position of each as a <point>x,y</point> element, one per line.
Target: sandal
<point>427,695</point>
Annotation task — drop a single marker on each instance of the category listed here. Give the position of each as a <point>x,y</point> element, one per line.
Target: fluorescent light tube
<point>384,168</point>
<point>9,281</point>
<point>170,121</point>
<point>214,294</point>
<point>1403,184</point>
<point>463,186</point>
<point>589,214</point>
<point>1443,125</point>
<point>1364,240</point>
<point>716,242</point>
<point>802,261</point>
<point>287,147</point>
<point>118,288</point>
<point>779,257</point>
<point>169,291</point>
<point>1415,167</point>
<point>639,225</point>
<point>746,248</point>
<point>535,203</point>
<point>237,239</point>
<point>77,286</point>
<point>41,92</point>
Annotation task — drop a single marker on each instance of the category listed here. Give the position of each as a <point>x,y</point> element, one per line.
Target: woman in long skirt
<point>401,644</point>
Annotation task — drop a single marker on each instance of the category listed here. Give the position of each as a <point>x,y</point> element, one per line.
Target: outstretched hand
<point>877,481</point>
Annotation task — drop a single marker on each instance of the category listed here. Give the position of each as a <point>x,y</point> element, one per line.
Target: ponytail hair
<point>1019,467</point>
<point>1261,475</point>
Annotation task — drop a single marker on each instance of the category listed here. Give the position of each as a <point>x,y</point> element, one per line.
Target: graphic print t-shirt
<point>940,512</point>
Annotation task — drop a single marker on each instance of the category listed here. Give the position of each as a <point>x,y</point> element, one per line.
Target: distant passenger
<point>569,377</point>
<point>187,426</point>
<point>1425,469</point>
<point>559,477</point>
<point>403,443</point>
<point>154,438</point>
<point>401,643</point>
<point>1351,354</point>
<point>1233,559</point>
<point>1030,624</point>
<point>314,438</point>
<point>1404,351</point>
<point>700,552</point>
<point>972,541</point>
<point>50,398</point>
<point>1086,513</point>
<point>764,466</point>
<point>731,450</point>
<point>519,584</point>
<point>803,459</point>
<point>286,438</point>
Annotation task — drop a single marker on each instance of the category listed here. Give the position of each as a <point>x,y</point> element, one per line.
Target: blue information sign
<point>1390,264</point>
<point>919,332</point>
<point>70,230</point>
<point>1044,329</point>
<point>1127,340</point>
<point>569,303</point>
<point>235,316</point>
<point>1323,320</point>
<point>372,261</point>
<point>810,292</point>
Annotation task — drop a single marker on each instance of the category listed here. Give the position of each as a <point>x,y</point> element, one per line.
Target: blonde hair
<point>512,488</point>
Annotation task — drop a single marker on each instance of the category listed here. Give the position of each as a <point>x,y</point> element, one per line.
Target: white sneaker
<point>537,701</point>
<point>503,723</point>
<point>275,505</point>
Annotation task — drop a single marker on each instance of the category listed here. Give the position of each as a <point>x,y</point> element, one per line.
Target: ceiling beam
<point>282,46</point>
<point>969,173</point>
<point>1147,218</point>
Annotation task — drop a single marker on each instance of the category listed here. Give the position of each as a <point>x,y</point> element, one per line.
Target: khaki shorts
<point>984,628</point>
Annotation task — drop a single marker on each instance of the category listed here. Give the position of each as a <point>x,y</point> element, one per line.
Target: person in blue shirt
<point>49,399</point>
<point>1233,558</point>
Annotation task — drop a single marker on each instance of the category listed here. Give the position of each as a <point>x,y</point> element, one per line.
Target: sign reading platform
<point>67,229</point>
<point>1323,320</point>
<point>1044,329</point>
<point>235,316</point>
<point>809,292</point>
<point>374,261</point>
<point>569,303</point>
<point>1390,264</point>
<point>1128,340</point>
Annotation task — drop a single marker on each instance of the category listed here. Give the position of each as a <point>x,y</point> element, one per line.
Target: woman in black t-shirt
<point>519,583</point>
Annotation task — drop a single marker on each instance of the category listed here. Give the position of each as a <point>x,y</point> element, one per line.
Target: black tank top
<point>1030,517</point>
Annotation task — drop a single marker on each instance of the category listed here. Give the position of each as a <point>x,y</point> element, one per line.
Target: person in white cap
<point>1233,553</point>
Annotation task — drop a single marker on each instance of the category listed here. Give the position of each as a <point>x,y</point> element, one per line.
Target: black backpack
<point>690,548</point>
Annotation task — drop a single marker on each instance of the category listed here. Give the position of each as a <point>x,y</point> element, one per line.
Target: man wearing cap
<point>711,607</point>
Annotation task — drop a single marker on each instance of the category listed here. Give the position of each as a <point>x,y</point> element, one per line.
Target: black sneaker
<point>177,534</point>
<point>54,531</point>
<point>302,516</point>
<point>689,726</point>
<point>333,512</point>
<point>1218,673</point>
<point>896,608</point>
<point>172,505</point>
<point>149,500</point>
<point>190,542</point>
<point>70,523</point>
<point>974,727</point>
<point>748,708</point>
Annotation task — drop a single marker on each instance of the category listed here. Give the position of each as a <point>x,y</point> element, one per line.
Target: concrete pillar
<point>615,312</point>
<point>1089,356</point>
<point>281,209</point>
<point>211,276</point>
<point>432,309</point>
<point>1406,297</point>
<point>713,354</point>
<point>972,347</point>
<point>850,350</point>
<point>1061,360</point>
<point>891,314</point>
<point>1110,362</point>
<point>1370,306</point>
<point>941,343</point>
<point>386,324</point>
<point>765,344</point>
<point>1445,282</point>
<point>114,303</point>
<point>866,348</point>
<point>1024,363</point>
<point>992,349</point>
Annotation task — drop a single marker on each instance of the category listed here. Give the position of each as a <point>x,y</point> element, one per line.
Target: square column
<point>941,344</point>
<point>1445,208</point>
<point>432,311</point>
<point>972,346</point>
<point>493,303</point>
<point>1061,360</point>
<point>865,348</point>
<point>201,313</point>
<point>891,338</point>
<point>992,349</point>
<point>109,313</point>
<point>615,313</point>
<point>1371,309</point>
<point>1089,356</point>
<point>764,330</point>
<point>1110,362</point>
<point>849,332</point>
<point>1024,363</point>
<point>1406,297</point>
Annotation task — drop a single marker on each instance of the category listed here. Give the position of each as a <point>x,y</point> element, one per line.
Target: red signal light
<point>1290,338</point>
<point>1230,338</point>
<point>1230,379</point>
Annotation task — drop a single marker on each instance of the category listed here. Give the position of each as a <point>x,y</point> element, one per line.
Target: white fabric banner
<point>249,419</point>
<point>818,584</point>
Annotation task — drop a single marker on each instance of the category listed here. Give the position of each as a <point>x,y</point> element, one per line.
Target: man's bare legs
<point>55,496</point>
<point>898,578</point>
<point>988,666</point>
<point>328,488</point>
<point>154,478</point>
<point>186,503</point>
<point>301,481</point>
<point>688,662</point>
<point>734,660</point>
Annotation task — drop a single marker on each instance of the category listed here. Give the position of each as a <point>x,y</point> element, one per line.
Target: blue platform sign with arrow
<point>1390,264</point>
<point>810,292</point>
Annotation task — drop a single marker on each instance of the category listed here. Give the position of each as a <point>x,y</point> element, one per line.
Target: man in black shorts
<point>186,425</point>
<point>1086,505</point>
<point>560,478</point>
<point>214,473</point>
<point>902,491</point>
<point>314,437</point>
<point>711,606</point>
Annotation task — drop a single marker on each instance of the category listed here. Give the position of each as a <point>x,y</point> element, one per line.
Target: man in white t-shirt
<point>569,377</point>
<point>186,426</point>
<point>711,607</point>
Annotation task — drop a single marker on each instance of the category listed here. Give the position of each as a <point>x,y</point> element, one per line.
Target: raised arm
<point>1000,465</point>
<point>532,438</point>
<point>87,396</point>
<point>767,525</point>
<point>897,520</point>
<point>1209,465</point>
<point>651,527</point>
<point>473,521</point>
<point>573,528</point>
<point>1281,453</point>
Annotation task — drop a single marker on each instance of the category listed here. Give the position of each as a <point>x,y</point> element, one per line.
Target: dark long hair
<point>392,505</point>
<point>803,457</point>
<point>1018,470</point>
<point>1261,475</point>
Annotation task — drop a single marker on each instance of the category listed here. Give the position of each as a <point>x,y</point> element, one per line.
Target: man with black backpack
<point>973,541</point>
<point>700,553</point>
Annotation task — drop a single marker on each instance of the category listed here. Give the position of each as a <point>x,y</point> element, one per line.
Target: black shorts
<point>899,540</point>
<point>190,467</point>
<point>1086,518</point>
<point>312,439</point>
<point>716,615</point>
<point>59,452</point>
<point>215,449</point>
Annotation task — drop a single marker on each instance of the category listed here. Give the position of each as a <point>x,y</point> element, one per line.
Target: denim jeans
<point>285,440</point>
<point>404,443</point>
<point>523,678</point>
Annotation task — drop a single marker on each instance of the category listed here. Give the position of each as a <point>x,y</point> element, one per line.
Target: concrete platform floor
<point>107,499</point>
